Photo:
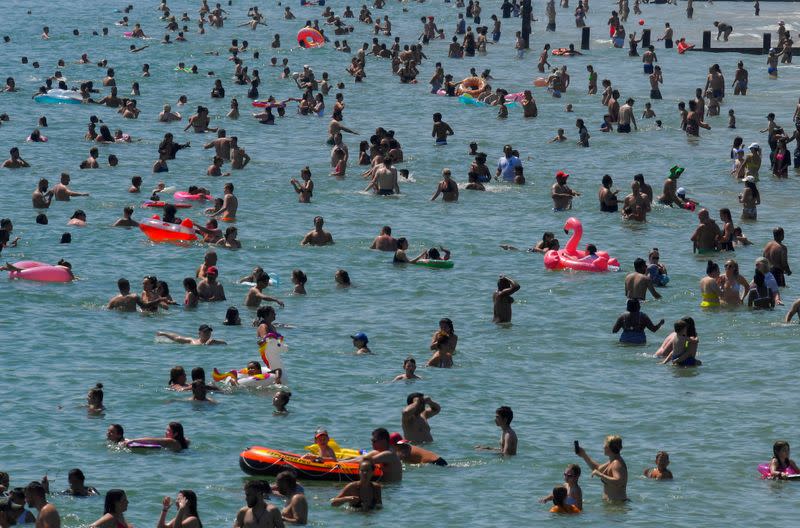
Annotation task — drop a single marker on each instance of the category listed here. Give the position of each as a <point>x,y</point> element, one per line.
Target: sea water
<point>558,366</point>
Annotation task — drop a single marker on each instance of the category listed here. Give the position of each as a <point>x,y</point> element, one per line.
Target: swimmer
<point>614,473</point>
<point>410,367</point>
<point>304,190</point>
<point>638,282</point>
<point>419,409</point>
<point>502,299</point>
<point>229,240</point>
<point>508,438</point>
<point>199,393</point>
<point>441,130</point>
<point>317,236</point>
<point>704,239</point>
<point>632,323</point>
<point>127,301</point>
<point>296,509</point>
<point>411,454</point>
<point>683,348</point>
<point>15,161</point>
<point>258,513</point>
<point>574,491</point>
<point>168,116</point>
<point>280,401</point>
<point>660,472</point>
<point>561,193</point>
<point>94,400</point>
<point>230,204</point>
<point>447,188</point>
<point>209,289</point>
<point>780,464</point>
<point>174,439</point>
<point>203,337</point>
<point>559,137</point>
<point>363,494</point>
<point>360,341</point>
<point>385,241</point>
<point>42,197</point>
<point>559,498</point>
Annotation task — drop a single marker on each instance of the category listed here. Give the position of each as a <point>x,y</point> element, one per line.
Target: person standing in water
<point>502,299</point>
<point>614,473</point>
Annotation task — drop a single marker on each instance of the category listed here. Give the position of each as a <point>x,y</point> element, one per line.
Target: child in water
<point>559,502</point>
<point>360,341</point>
<point>280,401</point>
<point>660,472</point>
<point>781,466</point>
<point>574,491</point>
<point>94,399</point>
<point>321,438</point>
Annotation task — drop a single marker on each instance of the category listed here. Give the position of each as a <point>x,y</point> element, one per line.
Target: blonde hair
<point>614,443</point>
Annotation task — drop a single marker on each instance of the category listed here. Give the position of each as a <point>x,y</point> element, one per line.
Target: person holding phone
<point>614,473</point>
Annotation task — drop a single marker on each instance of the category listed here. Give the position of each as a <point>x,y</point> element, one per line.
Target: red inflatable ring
<point>310,38</point>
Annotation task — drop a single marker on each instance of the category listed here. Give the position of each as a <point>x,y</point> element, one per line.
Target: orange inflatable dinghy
<point>265,461</point>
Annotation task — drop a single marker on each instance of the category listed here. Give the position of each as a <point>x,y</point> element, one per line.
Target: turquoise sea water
<point>557,366</point>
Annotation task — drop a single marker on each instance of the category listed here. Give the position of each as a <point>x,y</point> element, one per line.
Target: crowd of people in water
<point>34,502</point>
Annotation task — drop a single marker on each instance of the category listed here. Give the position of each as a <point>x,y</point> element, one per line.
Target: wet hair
<point>505,413</point>
<point>300,276</point>
<point>176,372</point>
<point>258,486</point>
<point>614,443</point>
<point>633,305</point>
<point>177,434</point>
<point>232,316</point>
<point>412,396</point>
<point>591,249</point>
<point>41,218</point>
<point>77,474</point>
<point>381,434</point>
<point>778,446</point>
<point>262,313</point>
<point>343,276</point>
<point>575,469</point>
<point>190,284</point>
<point>118,429</point>
<point>287,477</point>
<point>96,393</point>
<point>113,496</point>
<point>758,278</point>
<point>433,254</point>
<point>638,264</point>
<point>711,267</point>
<point>725,213</point>
<point>559,495</point>
<point>191,500</point>
<point>35,488</point>
<point>607,181</point>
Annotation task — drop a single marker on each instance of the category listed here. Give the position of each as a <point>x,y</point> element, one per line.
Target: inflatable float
<point>270,350</point>
<point>58,96</point>
<point>264,461</point>
<point>158,231</point>
<point>469,100</point>
<point>184,196</point>
<point>160,205</point>
<point>339,451</point>
<point>40,272</point>
<point>570,257</point>
<point>473,86</point>
<point>541,82</point>
<point>763,469</point>
<point>269,104</point>
<point>310,38</point>
<point>438,264</point>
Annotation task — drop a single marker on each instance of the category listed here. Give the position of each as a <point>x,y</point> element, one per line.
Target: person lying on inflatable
<point>432,254</point>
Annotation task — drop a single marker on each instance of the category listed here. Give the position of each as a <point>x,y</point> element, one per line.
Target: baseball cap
<point>754,146</point>
<point>321,432</point>
<point>361,336</point>
<point>205,328</point>
<point>750,179</point>
<point>212,270</point>
<point>562,174</point>
<point>681,191</point>
<point>395,437</point>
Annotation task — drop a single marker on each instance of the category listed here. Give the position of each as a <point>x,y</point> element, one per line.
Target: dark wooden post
<point>766,43</point>
<point>527,10</point>
<point>645,38</point>
<point>586,35</point>
<point>706,40</point>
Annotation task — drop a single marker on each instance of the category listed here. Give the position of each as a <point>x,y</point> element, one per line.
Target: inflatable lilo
<point>58,96</point>
<point>264,461</point>
<point>158,231</point>
<point>39,271</point>
<point>253,376</point>
<point>573,258</point>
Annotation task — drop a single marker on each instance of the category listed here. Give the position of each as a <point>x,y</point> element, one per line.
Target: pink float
<point>183,195</point>
<point>570,257</point>
<point>40,272</point>
<point>765,474</point>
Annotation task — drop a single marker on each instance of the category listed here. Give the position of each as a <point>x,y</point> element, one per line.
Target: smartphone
<point>577,447</point>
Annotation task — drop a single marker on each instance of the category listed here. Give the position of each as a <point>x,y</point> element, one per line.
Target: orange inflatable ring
<point>559,51</point>
<point>310,38</point>
<point>471,86</point>
<point>541,82</point>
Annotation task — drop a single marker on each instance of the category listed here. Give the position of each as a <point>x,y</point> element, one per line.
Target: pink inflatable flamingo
<point>570,257</point>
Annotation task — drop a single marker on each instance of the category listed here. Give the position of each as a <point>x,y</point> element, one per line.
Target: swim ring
<point>560,51</point>
<point>439,264</point>
<point>469,100</point>
<point>683,47</point>
<point>472,86</point>
<point>42,139</point>
<point>570,257</point>
<point>183,195</point>
<point>541,82</point>
<point>310,38</point>
<point>59,96</point>
<point>763,469</point>
<point>159,231</point>
<point>270,350</point>
<point>161,205</point>
<point>339,451</point>
<point>265,461</point>
<point>40,272</point>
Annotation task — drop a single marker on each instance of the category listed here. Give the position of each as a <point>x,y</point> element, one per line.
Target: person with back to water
<point>508,438</point>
